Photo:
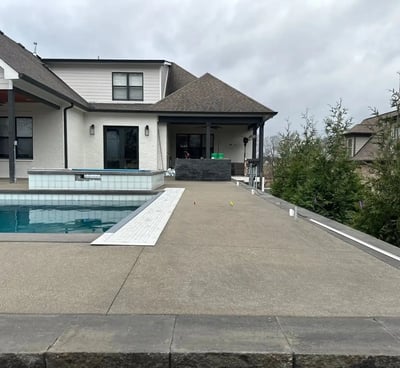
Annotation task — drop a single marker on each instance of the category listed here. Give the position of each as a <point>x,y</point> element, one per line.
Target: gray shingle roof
<point>185,93</point>
<point>208,94</point>
<point>177,78</point>
<point>121,107</point>
<point>369,126</point>
<point>32,69</point>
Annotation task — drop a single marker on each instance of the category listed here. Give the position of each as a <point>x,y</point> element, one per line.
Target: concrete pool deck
<point>226,258</point>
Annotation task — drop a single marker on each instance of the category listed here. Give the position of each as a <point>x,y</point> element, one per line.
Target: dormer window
<point>127,86</point>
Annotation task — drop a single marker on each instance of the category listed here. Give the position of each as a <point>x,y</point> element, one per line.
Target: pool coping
<point>126,172</point>
<point>144,226</point>
<point>198,341</point>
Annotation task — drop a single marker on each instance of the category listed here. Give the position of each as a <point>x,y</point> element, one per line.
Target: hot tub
<point>95,179</point>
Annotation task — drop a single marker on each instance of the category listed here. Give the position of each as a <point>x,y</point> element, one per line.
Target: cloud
<point>290,54</point>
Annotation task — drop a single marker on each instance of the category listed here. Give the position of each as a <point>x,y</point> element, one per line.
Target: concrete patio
<point>224,252</point>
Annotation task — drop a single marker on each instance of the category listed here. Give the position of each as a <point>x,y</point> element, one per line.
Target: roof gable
<point>208,94</point>
<point>368,151</point>
<point>32,69</point>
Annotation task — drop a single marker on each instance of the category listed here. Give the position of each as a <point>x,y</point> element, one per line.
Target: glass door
<point>121,147</point>
<point>193,144</point>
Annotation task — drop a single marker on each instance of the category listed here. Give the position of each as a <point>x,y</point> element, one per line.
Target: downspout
<point>66,135</point>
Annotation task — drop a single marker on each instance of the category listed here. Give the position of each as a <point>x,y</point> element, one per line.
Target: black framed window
<point>24,137</point>
<point>127,86</point>
<point>194,144</point>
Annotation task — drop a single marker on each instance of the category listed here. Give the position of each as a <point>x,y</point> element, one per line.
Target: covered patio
<point>207,116</point>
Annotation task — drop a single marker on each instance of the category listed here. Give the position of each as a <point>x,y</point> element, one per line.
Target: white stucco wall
<point>47,139</point>
<point>229,140</point>
<point>77,137</point>
<point>162,157</point>
<point>93,146</point>
<point>84,150</point>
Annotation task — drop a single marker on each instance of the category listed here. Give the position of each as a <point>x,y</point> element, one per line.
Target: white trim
<point>9,73</point>
<point>376,249</point>
<point>166,81</point>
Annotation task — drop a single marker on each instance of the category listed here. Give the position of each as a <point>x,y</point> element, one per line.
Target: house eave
<point>42,86</point>
<point>105,61</point>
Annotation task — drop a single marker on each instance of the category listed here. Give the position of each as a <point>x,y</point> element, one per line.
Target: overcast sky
<point>290,55</point>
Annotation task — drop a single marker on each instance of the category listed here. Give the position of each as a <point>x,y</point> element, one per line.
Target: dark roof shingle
<point>32,69</point>
<point>208,94</point>
<point>121,107</point>
<point>178,78</point>
<point>369,126</point>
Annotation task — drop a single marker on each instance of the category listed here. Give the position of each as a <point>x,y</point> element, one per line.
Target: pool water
<point>61,219</point>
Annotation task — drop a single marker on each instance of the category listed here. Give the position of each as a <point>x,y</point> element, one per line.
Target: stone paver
<point>114,341</point>
<point>86,341</point>
<point>228,341</point>
<point>340,342</point>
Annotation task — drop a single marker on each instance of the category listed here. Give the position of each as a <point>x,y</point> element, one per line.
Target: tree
<point>315,172</point>
<point>380,215</point>
<point>271,145</point>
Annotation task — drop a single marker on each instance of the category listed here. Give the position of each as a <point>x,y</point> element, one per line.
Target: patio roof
<point>209,95</point>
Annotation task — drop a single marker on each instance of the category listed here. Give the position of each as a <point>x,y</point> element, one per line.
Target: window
<point>396,132</point>
<point>350,147</point>
<point>24,137</point>
<point>127,86</point>
<point>194,144</point>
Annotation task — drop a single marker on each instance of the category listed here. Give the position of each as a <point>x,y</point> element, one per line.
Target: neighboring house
<point>142,114</point>
<point>361,141</point>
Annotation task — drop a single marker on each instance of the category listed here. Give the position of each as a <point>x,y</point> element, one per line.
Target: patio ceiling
<point>24,97</point>
<point>19,97</point>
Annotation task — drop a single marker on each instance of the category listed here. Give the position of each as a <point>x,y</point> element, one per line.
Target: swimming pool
<point>61,219</point>
<point>65,213</point>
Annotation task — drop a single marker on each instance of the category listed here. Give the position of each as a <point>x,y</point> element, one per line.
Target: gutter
<point>66,135</point>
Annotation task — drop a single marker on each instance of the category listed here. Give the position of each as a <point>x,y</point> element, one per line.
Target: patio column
<point>260,150</point>
<point>11,134</point>
<point>254,143</point>
<point>208,140</point>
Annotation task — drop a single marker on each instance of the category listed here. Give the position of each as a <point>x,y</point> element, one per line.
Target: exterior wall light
<point>92,129</point>
<point>146,131</point>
